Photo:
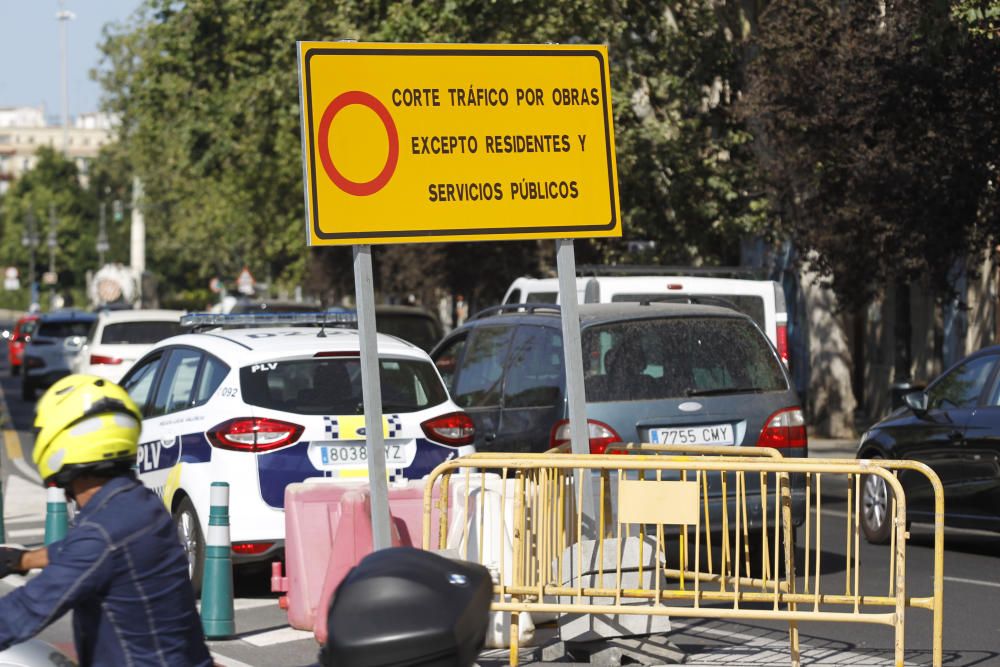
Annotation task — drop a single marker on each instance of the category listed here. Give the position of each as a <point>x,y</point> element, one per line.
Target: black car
<point>954,427</point>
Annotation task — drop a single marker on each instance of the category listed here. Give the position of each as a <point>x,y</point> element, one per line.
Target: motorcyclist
<point>120,568</point>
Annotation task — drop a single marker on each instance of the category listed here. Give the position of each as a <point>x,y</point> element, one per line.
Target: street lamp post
<point>53,243</point>
<point>29,239</point>
<point>102,237</point>
<point>63,16</point>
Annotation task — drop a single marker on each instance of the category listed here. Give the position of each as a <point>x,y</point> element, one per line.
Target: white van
<point>762,300</point>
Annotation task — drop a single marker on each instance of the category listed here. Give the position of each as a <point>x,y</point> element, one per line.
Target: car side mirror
<point>916,401</point>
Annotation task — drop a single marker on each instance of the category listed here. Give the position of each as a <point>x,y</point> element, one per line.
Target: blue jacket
<point>122,571</point>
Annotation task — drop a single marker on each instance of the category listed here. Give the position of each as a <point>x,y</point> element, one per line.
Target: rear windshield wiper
<point>723,390</point>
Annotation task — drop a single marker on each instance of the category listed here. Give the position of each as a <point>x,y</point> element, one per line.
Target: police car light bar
<point>204,320</point>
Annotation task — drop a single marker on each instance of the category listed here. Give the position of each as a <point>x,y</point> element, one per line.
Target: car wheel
<point>876,506</point>
<point>193,542</point>
<point>27,389</point>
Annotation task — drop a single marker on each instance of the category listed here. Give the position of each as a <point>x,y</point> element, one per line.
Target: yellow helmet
<point>84,424</point>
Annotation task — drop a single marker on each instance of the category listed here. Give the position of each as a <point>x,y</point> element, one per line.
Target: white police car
<point>261,408</point>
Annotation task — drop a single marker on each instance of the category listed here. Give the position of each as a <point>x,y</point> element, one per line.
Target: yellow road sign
<point>407,143</point>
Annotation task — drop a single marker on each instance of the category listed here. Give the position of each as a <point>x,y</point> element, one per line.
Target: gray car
<point>56,341</point>
<point>669,373</point>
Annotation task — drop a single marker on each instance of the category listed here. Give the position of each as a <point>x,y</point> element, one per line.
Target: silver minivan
<point>669,373</point>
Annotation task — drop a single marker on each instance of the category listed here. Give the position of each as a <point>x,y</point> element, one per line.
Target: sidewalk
<point>832,448</point>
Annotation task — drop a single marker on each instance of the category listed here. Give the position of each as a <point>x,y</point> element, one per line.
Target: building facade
<point>24,129</point>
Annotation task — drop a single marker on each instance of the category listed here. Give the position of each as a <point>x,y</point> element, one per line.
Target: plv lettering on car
<point>157,455</point>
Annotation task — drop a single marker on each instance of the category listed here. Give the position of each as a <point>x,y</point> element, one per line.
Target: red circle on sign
<point>353,187</point>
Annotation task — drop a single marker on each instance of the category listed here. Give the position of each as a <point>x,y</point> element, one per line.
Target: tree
<point>207,92</point>
<point>877,136</point>
<point>981,16</point>
<point>52,187</point>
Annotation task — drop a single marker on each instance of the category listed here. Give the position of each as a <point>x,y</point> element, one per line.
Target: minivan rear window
<point>745,303</point>
<point>659,358</point>
<point>333,386</point>
<point>139,333</point>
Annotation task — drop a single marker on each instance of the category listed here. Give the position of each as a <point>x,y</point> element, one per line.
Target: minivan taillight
<point>785,428</point>
<point>599,434</point>
<point>454,429</point>
<point>98,359</point>
<point>253,434</point>
<point>783,342</point>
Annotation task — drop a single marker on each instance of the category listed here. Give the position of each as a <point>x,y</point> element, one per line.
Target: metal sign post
<point>575,394</point>
<point>371,390</point>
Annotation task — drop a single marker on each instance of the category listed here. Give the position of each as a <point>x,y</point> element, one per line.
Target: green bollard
<point>3,531</point>
<point>217,616</point>
<point>56,516</point>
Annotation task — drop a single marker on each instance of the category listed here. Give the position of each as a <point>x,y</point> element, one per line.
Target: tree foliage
<point>53,190</point>
<point>878,138</point>
<point>208,96</point>
<point>981,16</point>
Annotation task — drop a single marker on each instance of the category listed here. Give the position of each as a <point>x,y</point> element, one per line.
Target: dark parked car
<point>413,324</point>
<point>58,338</point>
<point>954,427</point>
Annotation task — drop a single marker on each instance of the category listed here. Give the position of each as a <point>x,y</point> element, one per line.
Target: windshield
<point>64,329</point>
<point>333,386</point>
<point>140,333</point>
<point>652,359</point>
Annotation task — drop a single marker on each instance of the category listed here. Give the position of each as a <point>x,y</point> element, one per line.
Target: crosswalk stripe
<point>23,519</point>
<point>27,532</point>
<point>223,661</point>
<point>280,636</point>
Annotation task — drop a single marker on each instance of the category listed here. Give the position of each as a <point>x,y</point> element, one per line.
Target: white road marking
<point>223,661</point>
<point>26,532</point>
<point>975,582</point>
<point>281,636</point>
<point>242,604</point>
<point>253,603</point>
<point>28,518</point>
<point>27,471</point>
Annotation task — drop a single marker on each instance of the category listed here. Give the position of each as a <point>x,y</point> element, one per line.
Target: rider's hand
<point>10,561</point>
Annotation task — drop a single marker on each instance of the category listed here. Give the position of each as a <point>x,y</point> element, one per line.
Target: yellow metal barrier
<point>533,533</point>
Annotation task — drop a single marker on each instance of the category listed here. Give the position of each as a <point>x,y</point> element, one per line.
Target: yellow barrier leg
<point>515,631</point>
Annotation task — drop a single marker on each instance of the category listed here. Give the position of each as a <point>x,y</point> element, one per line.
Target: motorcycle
<point>404,606</point>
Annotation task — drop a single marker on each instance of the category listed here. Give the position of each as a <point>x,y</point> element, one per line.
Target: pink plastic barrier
<point>327,532</point>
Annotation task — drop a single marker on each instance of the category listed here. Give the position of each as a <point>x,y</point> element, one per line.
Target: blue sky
<point>29,51</point>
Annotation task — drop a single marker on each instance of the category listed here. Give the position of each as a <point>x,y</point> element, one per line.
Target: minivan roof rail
<point>584,270</point>
<point>516,308</point>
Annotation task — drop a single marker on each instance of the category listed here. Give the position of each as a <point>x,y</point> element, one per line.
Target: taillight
<point>599,434</point>
<point>251,548</point>
<point>454,429</point>
<point>33,362</point>
<point>96,359</point>
<point>783,342</point>
<point>253,434</point>
<point>785,428</point>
